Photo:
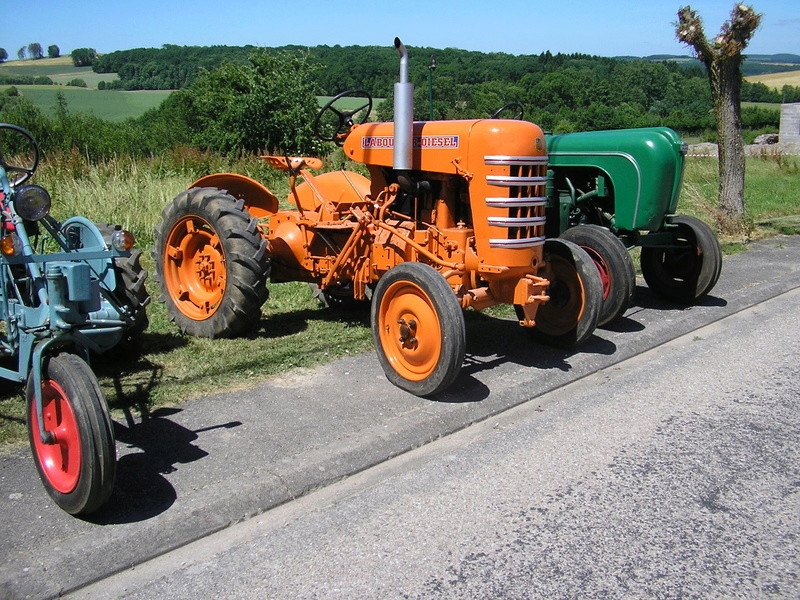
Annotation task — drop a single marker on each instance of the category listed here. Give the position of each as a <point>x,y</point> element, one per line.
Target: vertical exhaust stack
<point>403,114</point>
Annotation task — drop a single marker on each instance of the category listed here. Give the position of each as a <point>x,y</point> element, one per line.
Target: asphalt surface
<point>195,470</point>
<point>687,488</point>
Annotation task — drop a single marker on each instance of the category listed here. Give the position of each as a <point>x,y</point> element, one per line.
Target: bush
<point>77,83</point>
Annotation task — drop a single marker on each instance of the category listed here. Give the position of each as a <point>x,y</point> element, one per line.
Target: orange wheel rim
<point>410,332</point>
<point>567,298</point>
<point>61,460</point>
<point>194,268</point>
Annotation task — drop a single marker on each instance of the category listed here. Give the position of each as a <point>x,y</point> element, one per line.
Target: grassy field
<point>294,331</point>
<point>774,106</point>
<point>777,80</point>
<point>60,70</point>
<point>112,105</point>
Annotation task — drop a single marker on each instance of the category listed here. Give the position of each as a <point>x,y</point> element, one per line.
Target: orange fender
<point>258,200</point>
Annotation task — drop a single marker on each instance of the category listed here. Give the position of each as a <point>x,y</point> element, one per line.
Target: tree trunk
<point>726,82</point>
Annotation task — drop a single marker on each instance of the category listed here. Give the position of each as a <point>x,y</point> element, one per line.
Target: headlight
<point>32,202</point>
<point>122,240</point>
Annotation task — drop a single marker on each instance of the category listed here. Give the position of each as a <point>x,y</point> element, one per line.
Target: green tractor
<point>610,191</point>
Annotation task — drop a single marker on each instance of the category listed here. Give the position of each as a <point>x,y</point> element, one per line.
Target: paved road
<point>674,474</point>
<point>192,471</point>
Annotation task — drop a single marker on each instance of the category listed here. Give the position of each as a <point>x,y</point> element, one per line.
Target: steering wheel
<point>32,151</point>
<point>333,127</point>
<point>515,106</point>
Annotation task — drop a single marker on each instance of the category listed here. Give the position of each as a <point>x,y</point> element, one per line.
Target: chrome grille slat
<point>515,160</point>
<point>516,202</point>
<point>511,181</point>
<point>516,221</point>
<point>519,243</point>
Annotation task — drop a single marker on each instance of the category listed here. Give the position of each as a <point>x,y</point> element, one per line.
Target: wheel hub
<point>408,333</point>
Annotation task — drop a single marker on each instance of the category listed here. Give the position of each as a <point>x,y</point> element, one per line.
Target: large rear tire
<point>570,317</point>
<point>418,329</point>
<point>688,270</point>
<point>79,469</point>
<point>212,263</point>
<point>614,264</point>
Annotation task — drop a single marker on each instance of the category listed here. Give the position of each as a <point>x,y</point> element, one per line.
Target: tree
<point>21,53</point>
<point>3,54</point>
<point>83,57</point>
<point>722,58</point>
<point>53,51</point>
<point>35,50</point>
<point>268,105</point>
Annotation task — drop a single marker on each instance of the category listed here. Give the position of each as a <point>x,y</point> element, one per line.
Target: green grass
<point>294,331</point>
<point>771,199</point>
<point>773,106</point>
<point>112,105</point>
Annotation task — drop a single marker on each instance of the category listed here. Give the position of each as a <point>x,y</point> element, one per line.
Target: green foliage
<point>759,92</point>
<point>53,51</point>
<point>35,50</point>
<point>169,67</point>
<point>267,105</point>
<point>3,54</point>
<point>77,83</point>
<point>83,57</point>
<point>25,80</point>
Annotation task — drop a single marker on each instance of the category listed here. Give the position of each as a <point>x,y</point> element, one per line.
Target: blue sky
<point>605,28</point>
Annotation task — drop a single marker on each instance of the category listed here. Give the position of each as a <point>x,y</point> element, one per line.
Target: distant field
<point>774,106</point>
<point>60,70</point>
<point>777,80</point>
<point>106,104</point>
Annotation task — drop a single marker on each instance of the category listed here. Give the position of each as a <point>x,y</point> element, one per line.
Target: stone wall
<point>790,123</point>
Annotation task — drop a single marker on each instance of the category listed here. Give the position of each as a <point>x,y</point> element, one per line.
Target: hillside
<point>754,64</point>
<point>777,80</point>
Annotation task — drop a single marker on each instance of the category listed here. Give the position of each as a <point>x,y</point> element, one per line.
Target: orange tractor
<point>451,217</point>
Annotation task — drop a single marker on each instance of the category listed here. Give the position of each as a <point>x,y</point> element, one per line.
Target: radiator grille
<point>523,224</point>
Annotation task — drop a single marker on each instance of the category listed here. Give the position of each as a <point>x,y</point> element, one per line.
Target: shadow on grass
<point>289,323</point>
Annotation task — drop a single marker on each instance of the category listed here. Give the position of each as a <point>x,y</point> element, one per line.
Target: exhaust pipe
<point>403,114</point>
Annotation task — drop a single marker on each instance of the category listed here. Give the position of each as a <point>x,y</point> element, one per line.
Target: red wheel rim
<point>602,268</point>
<point>61,461</point>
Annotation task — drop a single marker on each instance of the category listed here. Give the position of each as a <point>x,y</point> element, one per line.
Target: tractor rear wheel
<point>212,263</point>
<point>690,269</point>
<point>79,469</point>
<point>614,265</point>
<point>570,317</point>
<point>418,329</point>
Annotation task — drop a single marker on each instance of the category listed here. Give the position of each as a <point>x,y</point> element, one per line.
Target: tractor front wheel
<point>418,329</point>
<point>614,264</point>
<point>570,317</point>
<point>211,261</point>
<point>78,469</point>
<point>688,269</point>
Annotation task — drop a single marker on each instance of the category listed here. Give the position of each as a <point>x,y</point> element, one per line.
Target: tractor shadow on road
<point>493,342</point>
<point>644,298</point>
<point>157,446</point>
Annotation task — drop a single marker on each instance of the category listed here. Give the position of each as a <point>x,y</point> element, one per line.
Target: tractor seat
<point>295,162</point>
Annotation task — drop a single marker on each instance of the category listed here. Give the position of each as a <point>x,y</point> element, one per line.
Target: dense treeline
<point>233,99</point>
<point>758,92</point>
<point>168,68</point>
<point>561,92</point>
